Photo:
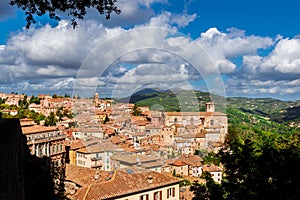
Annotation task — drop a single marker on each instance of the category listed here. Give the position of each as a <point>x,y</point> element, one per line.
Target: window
<point>212,122</point>
<point>173,192</point>
<point>144,197</point>
<point>169,192</point>
<point>157,195</point>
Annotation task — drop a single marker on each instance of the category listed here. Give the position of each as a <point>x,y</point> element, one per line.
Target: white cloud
<point>47,58</point>
<point>223,46</point>
<point>183,20</point>
<point>132,13</point>
<point>283,63</point>
<point>257,88</point>
<point>285,58</point>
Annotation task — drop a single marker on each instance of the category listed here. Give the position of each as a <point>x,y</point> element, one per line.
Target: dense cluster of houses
<point>104,137</point>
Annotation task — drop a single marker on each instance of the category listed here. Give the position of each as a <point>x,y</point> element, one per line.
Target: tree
<point>51,120</point>
<point>23,103</point>
<point>34,99</point>
<point>262,166</point>
<point>2,101</point>
<point>136,111</point>
<point>208,191</point>
<point>106,119</point>
<point>73,8</point>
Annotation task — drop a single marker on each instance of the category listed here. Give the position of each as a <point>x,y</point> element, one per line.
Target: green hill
<point>263,113</point>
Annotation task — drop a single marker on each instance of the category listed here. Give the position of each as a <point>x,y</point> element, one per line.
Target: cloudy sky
<point>232,48</point>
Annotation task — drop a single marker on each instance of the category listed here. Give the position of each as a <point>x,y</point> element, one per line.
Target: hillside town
<point>130,152</point>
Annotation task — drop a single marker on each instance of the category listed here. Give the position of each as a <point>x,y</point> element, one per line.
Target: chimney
<point>97,175</point>
<point>150,179</point>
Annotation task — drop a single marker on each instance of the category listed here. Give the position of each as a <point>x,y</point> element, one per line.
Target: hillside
<point>267,113</point>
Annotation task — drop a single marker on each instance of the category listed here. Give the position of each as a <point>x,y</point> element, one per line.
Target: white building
<point>132,184</point>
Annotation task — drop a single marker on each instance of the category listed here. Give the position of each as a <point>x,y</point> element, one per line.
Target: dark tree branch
<point>77,9</point>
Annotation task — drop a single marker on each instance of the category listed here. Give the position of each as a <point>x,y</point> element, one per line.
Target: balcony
<point>96,158</point>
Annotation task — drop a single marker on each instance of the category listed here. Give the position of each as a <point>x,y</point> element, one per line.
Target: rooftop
<point>211,168</point>
<point>84,176</point>
<point>38,129</point>
<point>125,182</point>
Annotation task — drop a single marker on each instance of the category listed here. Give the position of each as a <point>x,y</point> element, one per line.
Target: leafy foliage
<point>51,120</point>
<point>106,119</point>
<point>23,103</point>
<point>210,190</point>
<point>263,165</point>
<point>136,111</point>
<point>73,8</point>
<point>34,99</point>
<point>2,101</point>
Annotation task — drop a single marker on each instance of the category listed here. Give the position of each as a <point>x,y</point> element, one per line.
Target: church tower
<point>210,107</point>
<point>96,96</point>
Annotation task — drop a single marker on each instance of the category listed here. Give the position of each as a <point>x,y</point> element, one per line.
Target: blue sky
<point>254,46</point>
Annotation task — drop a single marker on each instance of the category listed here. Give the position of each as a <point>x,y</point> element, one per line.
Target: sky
<point>230,48</point>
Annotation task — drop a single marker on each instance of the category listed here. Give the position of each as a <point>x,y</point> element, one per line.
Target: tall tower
<point>210,107</point>
<point>96,96</point>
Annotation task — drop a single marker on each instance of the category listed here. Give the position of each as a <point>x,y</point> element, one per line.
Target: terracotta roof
<point>204,114</point>
<point>38,129</point>
<point>84,176</point>
<point>133,159</point>
<point>141,122</point>
<point>201,134</point>
<point>99,147</point>
<point>84,143</point>
<point>77,145</point>
<point>185,113</point>
<point>116,140</point>
<point>178,163</point>
<point>192,160</point>
<point>138,118</point>
<point>125,182</point>
<point>211,168</point>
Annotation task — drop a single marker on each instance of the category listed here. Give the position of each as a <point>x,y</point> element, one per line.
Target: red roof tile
<point>125,182</point>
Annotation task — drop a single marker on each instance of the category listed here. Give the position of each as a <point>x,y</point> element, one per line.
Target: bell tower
<point>96,96</point>
<point>210,107</point>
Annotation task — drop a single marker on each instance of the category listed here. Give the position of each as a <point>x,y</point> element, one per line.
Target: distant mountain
<point>170,100</point>
<point>140,95</point>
